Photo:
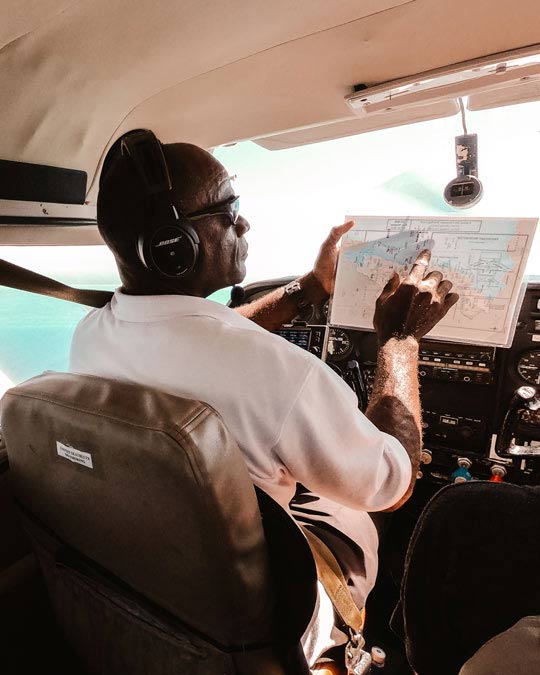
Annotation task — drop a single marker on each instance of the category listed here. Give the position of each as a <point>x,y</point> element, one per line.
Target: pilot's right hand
<point>412,306</point>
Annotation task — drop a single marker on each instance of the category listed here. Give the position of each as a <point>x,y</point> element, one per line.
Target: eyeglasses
<point>230,208</point>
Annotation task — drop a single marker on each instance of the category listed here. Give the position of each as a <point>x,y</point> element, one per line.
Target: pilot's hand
<point>324,269</point>
<point>414,305</point>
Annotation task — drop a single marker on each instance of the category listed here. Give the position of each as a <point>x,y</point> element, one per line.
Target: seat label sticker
<point>74,455</point>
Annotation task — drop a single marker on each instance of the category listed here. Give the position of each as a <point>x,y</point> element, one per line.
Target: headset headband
<point>146,152</point>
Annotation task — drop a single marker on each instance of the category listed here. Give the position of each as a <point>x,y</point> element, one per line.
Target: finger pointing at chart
<point>412,306</point>
<point>420,266</point>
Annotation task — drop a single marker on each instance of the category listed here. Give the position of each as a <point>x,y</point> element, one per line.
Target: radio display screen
<point>310,338</point>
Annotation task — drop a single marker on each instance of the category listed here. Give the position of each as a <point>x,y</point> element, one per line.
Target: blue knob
<point>460,475</point>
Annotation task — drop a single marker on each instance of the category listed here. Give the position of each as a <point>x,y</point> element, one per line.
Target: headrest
<point>150,486</point>
<point>471,571</point>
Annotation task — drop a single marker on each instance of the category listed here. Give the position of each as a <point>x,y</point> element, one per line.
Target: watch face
<point>296,294</point>
<point>293,287</point>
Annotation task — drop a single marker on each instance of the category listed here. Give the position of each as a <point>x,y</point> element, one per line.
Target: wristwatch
<point>296,293</point>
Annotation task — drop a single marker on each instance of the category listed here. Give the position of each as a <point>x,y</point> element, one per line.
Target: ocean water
<point>36,331</point>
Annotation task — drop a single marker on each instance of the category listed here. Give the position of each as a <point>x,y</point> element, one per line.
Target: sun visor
<point>22,181</point>
<point>355,125</point>
<point>523,92</point>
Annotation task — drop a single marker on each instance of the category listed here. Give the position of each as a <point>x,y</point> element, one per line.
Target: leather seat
<point>149,533</point>
<point>471,572</point>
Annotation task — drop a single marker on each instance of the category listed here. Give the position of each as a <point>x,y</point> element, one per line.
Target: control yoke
<point>524,398</point>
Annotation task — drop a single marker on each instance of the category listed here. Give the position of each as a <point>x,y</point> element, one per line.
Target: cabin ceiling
<point>76,74</point>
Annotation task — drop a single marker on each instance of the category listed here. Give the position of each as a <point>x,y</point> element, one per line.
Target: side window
<point>35,334</point>
<point>35,330</point>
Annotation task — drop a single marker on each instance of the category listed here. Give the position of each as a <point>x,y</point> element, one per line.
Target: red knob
<point>496,479</point>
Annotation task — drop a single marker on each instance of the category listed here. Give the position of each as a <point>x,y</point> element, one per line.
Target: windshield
<point>291,198</point>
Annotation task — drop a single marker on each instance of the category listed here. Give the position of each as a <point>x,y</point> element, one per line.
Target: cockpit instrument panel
<point>466,390</point>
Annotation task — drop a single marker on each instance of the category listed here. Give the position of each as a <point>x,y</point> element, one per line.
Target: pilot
<point>294,419</point>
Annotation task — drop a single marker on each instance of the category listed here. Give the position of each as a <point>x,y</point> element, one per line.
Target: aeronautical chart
<point>484,258</point>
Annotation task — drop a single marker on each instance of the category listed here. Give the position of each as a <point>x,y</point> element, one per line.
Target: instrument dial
<point>528,366</point>
<point>339,344</point>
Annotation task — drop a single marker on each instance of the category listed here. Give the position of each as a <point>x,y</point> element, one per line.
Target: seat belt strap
<point>331,577</point>
<point>22,279</point>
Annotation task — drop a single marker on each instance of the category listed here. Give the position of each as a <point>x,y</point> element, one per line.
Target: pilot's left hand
<point>324,269</point>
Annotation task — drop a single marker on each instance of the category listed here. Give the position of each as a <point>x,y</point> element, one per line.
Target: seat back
<point>148,529</point>
<point>471,572</point>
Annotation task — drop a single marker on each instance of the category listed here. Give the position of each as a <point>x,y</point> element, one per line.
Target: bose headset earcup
<point>168,245</point>
<point>172,250</point>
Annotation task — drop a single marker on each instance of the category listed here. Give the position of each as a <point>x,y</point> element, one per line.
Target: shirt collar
<point>147,308</point>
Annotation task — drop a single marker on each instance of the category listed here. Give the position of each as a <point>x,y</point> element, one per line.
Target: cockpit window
<point>35,330</point>
<point>291,197</point>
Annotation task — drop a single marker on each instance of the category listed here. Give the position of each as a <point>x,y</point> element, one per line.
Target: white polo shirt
<point>293,418</point>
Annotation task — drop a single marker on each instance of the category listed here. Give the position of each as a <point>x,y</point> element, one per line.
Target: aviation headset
<point>168,245</point>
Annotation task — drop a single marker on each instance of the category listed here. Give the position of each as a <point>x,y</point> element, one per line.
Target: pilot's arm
<point>406,310</point>
<point>368,464</point>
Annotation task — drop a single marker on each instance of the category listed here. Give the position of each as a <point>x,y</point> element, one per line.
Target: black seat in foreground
<point>148,530</point>
<point>471,572</point>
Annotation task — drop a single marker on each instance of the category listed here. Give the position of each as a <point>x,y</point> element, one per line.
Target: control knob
<point>462,474</point>
<point>498,472</point>
<point>426,457</point>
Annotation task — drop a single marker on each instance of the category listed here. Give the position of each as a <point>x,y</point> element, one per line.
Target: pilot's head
<point>202,191</point>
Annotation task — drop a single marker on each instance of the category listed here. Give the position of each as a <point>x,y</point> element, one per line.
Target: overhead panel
<point>218,72</point>
<point>501,72</point>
